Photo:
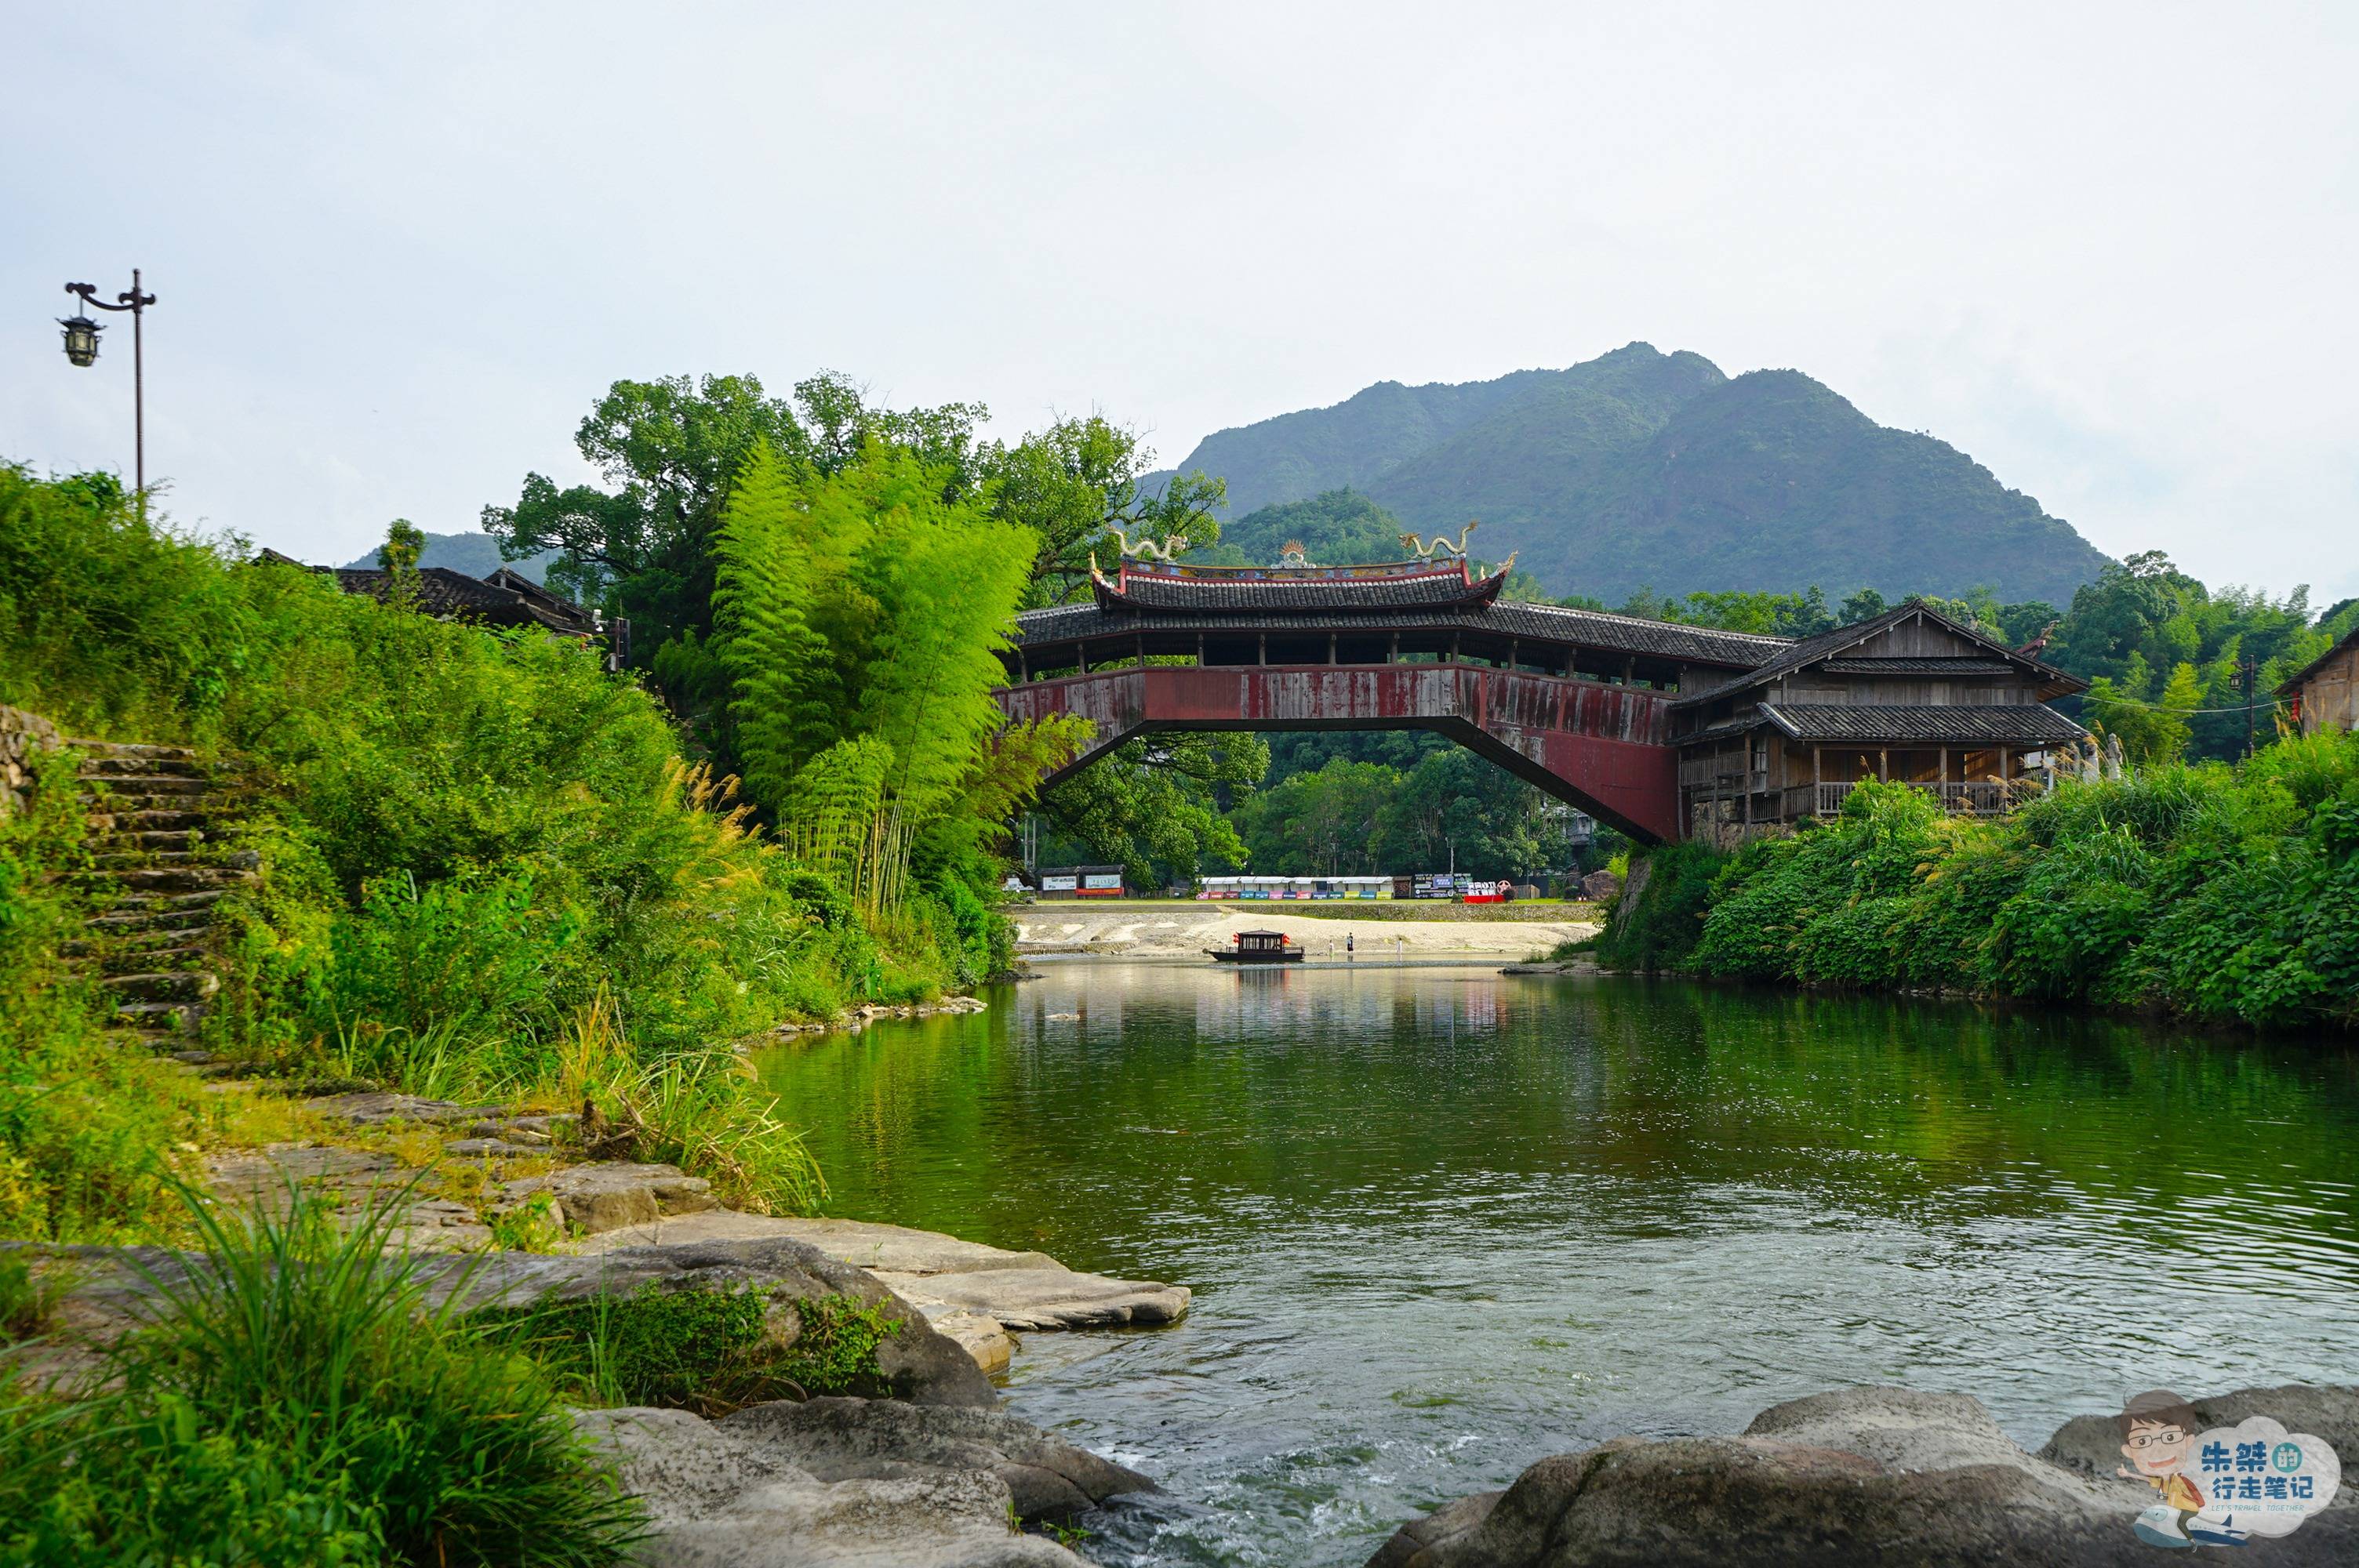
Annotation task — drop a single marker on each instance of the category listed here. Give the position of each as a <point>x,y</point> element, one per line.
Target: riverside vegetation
<point>2220,892</point>
<point>483,870</point>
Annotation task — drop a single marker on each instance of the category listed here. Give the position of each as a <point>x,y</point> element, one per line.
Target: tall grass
<point>296,1399</point>
<point>704,1113</point>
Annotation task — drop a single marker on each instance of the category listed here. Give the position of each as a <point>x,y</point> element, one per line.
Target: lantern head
<point>81,339</point>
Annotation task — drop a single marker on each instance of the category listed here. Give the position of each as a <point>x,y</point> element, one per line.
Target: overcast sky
<point>401,249</point>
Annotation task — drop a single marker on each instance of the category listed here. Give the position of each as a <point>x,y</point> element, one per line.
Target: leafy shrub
<point>2219,892</point>
<point>1658,926</point>
<point>297,1401</point>
<point>836,1352</point>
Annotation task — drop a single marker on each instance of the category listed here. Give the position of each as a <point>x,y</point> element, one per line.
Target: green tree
<point>1075,482</point>
<point>860,616</point>
<point>1319,823</point>
<point>666,451</point>
<point>1153,805</point>
<point>404,543</point>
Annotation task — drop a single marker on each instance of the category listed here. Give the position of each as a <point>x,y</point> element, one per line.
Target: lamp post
<point>81,350</point>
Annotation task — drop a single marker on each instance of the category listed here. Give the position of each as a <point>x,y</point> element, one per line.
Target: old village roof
<point>504,599</point>
<point>1828,645</point>
<point>2294,683</point>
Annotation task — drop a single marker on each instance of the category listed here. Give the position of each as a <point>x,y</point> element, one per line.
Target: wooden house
<point>2325,694</point>
<point>1911,696</point>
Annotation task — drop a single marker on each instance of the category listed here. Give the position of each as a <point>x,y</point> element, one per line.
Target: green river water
<point>1442,1222</point>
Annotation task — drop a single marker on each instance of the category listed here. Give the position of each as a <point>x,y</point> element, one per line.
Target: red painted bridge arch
<point>1604,748</point>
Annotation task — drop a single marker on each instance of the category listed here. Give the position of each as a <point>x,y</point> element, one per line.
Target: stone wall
<point>22,735</point>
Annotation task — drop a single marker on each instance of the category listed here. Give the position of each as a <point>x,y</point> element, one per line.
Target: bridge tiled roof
<point>1505,618</point>
<point>1432,589</point>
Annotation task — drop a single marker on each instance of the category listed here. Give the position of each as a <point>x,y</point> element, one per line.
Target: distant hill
<point>1641,469</point>
<point>477,555</point>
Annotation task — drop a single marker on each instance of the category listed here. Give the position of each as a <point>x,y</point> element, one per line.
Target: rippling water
<point>1440,1223</point>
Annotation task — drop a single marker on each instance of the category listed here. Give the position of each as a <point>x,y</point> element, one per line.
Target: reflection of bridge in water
<point>1634,721</point>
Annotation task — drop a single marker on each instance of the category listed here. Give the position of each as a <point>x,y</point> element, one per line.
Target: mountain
<point>1645,470</point>
<point>477,555</point>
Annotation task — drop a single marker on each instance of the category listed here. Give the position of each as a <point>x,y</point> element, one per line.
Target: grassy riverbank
<point>456,862</point>
<point>2214,892</point>
<point>481,871</point>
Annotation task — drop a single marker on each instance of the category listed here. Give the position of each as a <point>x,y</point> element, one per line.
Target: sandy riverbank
<point>1185,930</point>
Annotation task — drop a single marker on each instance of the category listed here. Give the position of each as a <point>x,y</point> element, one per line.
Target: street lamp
<point>81,350</point>
<point>81,339</point>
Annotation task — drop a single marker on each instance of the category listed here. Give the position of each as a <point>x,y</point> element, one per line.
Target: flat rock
<point>369,1107</point>
<point>1039,1299</point>
<point>917,1363</point>
<point>491,1149</point>
<point>114,1287</point>
<point>1023,1291</point>
<point>984,1338</point>
<point>609,1195</point>
<point>733,1494</point>
<point>1884,1475</point>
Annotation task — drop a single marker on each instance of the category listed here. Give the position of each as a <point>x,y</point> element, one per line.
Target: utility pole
<point>2249,672</point>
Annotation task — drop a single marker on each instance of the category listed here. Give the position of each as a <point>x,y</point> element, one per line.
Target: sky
<point>400,250</point>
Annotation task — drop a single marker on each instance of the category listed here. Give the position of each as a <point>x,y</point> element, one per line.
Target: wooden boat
<point>1257,947</point>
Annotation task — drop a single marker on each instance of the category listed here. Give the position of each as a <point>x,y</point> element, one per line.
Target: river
<point>1442,1222</point>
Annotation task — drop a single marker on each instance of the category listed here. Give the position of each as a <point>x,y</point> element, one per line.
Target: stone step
<point>114,751</point>
<point>169,1017</point>
<point>167,879</point>
<point>175,819</point>
<point>187,957</point>
<point>158,842</point>
<point>158,903</point>
<point>136,859</point>
<point>150,923</point>
<point>119,803</point>
<point>158,784</point>
<point>175,986</point>
<point>120,951</point>
<point>106,770</point>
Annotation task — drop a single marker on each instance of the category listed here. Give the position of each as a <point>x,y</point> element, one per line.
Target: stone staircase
<point>155,816</point>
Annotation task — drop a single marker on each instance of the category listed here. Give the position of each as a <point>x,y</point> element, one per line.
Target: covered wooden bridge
<point>1635,722</point>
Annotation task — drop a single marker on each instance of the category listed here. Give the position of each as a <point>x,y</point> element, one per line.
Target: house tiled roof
<point>503,599</point>
<point>1810,650</point>
<point>1971,724</point>
<point>1961,666</point>
<point>2293,683</point>
<point>1505,618</point>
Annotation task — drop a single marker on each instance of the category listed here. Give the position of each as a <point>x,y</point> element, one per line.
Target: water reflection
<point>1442,1222</point>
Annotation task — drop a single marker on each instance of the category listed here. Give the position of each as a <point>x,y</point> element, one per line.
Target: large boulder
<point>1886,1475</point>
<point>1021,1291</point>
<point>850,1482</point>
<point>114,1287</point>
<point>917,1363</point>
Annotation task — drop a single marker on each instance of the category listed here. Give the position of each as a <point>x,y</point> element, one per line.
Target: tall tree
<point>1078,480</point>
<point>860,617</point>
<point>666,451</point>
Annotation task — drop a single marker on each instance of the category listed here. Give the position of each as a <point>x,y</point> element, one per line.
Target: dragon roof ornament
<point>1441,543</point>
<point>1145,549</point>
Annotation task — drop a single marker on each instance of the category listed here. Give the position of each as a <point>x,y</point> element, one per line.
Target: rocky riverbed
<point>1871,1474</point>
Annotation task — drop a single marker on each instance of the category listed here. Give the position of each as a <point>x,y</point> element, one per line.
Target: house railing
<point>1984,799</point>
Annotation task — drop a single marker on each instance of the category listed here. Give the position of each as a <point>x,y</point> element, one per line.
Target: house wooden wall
<point>2330,697</point>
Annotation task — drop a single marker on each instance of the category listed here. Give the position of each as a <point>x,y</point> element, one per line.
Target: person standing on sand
<point>1347,946</point>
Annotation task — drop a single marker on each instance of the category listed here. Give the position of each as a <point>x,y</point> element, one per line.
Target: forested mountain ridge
<point>1641,469</point>
<point>477,555</point>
